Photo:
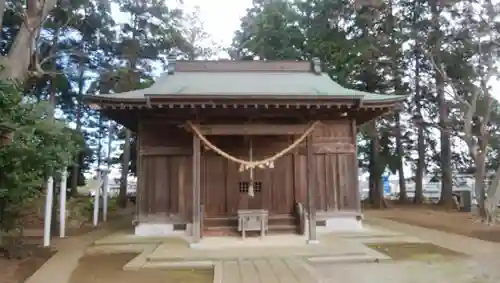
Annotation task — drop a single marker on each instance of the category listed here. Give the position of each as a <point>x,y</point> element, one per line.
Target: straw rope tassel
<point>251,192</point>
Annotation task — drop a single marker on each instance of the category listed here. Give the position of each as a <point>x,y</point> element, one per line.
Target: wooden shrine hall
<point>228,147</point>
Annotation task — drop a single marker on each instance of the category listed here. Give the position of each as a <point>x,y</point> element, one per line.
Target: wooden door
<point>213,185</point>
<point>247,201</point>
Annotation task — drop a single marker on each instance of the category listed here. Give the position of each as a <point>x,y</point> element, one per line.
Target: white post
<point>105,188</point>
<point>62,204</point>
<point>48,212</point>
<point>96,199</point>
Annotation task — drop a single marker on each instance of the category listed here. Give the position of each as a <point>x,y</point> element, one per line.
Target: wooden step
<point>233,221</point>
<point>232,231</point>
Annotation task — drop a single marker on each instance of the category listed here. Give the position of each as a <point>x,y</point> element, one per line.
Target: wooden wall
<point>336,167</point>
<point>165,186</point>
<point>165,173</point>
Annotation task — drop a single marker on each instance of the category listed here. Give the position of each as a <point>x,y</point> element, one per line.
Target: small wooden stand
<point>252,220</point>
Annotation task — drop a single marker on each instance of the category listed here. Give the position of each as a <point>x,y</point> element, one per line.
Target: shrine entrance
<point>251,171</point>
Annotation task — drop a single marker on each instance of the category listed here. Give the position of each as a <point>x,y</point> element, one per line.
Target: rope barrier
<point>246,164</point>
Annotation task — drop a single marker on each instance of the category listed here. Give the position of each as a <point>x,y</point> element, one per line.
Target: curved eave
<point>111,98</point>
<point>156,101</point>
<point>101,101</point>
<point>374,109</point>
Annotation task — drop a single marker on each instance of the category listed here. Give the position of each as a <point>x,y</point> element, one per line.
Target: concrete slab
<point>400,239</point>
<point>236,242</point>
<point>339,247</point>
<point>348,259</point>
<point>282,272</point>
<point>230,272</point>
<point>180,264</point>
<point>126,238</point>
<point>369,231</point>
<point>218,273</point>
<point>265,271</point>
<point>110,249</point>
<point>139,261</point>
<point>248,272</point>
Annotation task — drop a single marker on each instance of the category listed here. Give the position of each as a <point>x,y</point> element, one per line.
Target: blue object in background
<point>387,187</point>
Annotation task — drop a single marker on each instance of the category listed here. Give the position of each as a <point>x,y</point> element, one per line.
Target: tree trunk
<point>78,118</point>
<point>122,201</point>
<point>399,148</point>
<point>376,192</point>
<point>479,183</point>
<point>398,89</point>
<point>54,227</point>
<point>419,174</point>
<point>17,62</point>
<point>446,174</point>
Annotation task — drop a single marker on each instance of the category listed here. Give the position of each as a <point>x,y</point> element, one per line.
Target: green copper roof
<point>249,84</point>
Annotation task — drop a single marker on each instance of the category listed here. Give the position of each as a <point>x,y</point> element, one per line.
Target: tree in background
<point>474,103</point>
<point>40,147</point>
<point>387,47</point>
<point>152,32</point>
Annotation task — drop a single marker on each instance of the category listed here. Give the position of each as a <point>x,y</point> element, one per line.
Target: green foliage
<point>39,148</point>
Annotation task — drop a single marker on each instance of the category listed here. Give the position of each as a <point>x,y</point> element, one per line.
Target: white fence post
<point>105,188</point>
<point>62,203</point>
<point>48,212</point>
<point>96,199</point>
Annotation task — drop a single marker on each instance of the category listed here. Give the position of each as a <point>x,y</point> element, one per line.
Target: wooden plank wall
<point>221,177</point>
<point>165,185</point>
<point>334,154</point>
<point>165,177</point>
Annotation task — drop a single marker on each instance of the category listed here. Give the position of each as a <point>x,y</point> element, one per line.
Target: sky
<point>220,17</point>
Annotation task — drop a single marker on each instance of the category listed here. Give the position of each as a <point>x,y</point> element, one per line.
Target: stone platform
<point>273,259</point>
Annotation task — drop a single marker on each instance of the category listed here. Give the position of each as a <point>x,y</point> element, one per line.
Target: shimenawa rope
<point>250,164</point>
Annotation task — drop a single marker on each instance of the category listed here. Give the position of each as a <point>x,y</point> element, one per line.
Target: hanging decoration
<point>251,164</point>
<point>251,192</point>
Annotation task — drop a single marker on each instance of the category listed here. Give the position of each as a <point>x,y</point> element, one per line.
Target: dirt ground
<point>461,223</point>
<point>18,270</point>
<point>108,268</point>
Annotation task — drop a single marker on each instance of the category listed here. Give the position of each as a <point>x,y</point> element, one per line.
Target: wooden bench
<point>252,220</point>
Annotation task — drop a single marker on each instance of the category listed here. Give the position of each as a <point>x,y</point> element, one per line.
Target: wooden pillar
<point>311,190</point>
<point>196,190</point>
<point>355,167</point>
<point>140,188</point>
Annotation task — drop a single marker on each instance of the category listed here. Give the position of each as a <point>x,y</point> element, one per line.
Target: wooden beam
<point>141,178</point>
<point>311,190</point>
<point>196,190</point>
<point>252,129</point>
<point>355,168</point>
<point>164,150</point>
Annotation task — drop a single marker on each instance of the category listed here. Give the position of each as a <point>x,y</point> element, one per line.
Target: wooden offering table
<point>252,220</point>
